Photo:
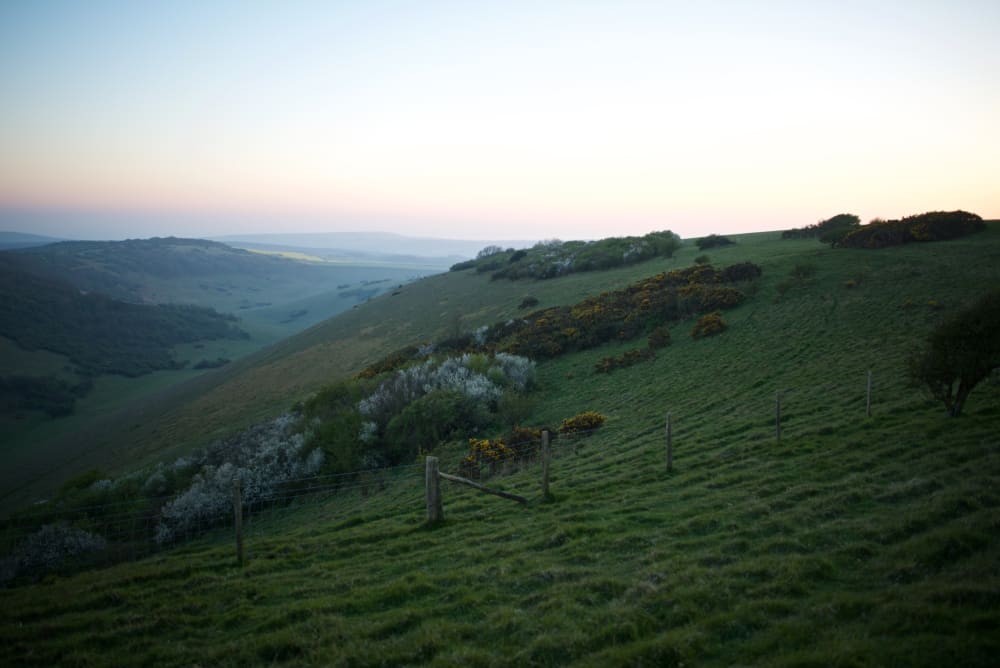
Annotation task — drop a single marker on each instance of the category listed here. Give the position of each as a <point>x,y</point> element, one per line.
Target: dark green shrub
<point>433,418</point>
<point>827,231</point>
<point>944,225</point>
<point>713,241</point>
<point>528,302</point>
<point>337,437</point>
<point>627,359</point>
<point>742,271</point>
<point>931,226</point>
<point>960,353</point>
<point>659,337</point>
<point>332,400</point>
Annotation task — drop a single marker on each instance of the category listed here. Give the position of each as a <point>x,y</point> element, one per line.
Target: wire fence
<point>61,540</point>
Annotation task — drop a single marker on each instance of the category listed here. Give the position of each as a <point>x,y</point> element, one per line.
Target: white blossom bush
<point>261,458</point>
<point>479,335</point>
<point>369,432</point>
<point>47,549</point>
<point>479,378</point>
<point>454,374</point>
<point>518,371</point>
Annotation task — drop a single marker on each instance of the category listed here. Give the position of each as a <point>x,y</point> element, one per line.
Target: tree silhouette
<point>961,353</point>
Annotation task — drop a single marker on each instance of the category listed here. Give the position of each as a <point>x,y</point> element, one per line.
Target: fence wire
<point>128,529</point>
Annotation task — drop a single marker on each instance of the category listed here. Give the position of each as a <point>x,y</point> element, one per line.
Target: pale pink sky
<point>492,120</point>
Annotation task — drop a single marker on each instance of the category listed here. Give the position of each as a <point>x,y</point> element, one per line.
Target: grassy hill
<point>12,240</point>
<point>211,274</point>
<point>74,362</point>
<point>851,541</point>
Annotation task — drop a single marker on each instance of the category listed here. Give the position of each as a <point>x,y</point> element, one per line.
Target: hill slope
<point>97,336</point>
<point>849,541</point>
<point>13,240</point>
<point>845,323</point>
<point>195,271</point>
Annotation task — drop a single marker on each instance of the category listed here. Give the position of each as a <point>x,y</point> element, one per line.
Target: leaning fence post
<point>777,416</point>
<point>435,513</point>
<point>868,401</point>
<point>670,446</point>
<point>238,519</point>
<point>545,463</point>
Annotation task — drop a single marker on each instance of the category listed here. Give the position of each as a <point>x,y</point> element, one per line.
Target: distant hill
<point>135,269</point>
<point>96,334</point>
<point>97,325</point>
<point>342,255</point>
<point>377,244</point>
<point>12,240</point>
<point>207,273</point>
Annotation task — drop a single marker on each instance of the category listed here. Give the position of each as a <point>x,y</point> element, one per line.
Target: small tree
<point>489,251</point>
<point>962,352</point>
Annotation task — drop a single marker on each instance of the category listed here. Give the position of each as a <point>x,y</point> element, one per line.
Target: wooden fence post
<point>545,464</point>
<point>868,401</point>
<point>777,416</point>
<point>238,519</point>
<point>435,512</point>
<point>670,446</point>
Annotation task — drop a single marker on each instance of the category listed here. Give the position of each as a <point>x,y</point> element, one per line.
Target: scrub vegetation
<point>849,541</point>
<point>549,259</point>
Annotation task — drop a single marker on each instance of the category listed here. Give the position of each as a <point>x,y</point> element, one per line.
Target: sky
<point>492,120</point>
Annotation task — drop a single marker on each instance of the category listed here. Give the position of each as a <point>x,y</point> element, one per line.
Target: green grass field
<point>852,541</point>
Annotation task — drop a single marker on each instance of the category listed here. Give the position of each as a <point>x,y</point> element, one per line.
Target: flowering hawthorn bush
<point>261,458</point>
<point>481,379</point>
<point>47,549</point>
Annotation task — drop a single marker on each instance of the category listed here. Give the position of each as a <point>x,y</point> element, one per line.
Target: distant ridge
<point>374,243</point>
<point>12,240</point>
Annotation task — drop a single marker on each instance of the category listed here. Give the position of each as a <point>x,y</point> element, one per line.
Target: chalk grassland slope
<point>850,542</point>
<point>268,382</point>
<point>261,385</point>
<point>435,307</point>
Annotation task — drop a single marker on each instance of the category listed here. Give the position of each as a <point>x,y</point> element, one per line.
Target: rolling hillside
<point>100,326</point>
<point>269,381</point>
<point>206,273</point>
<point>849,541</point>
